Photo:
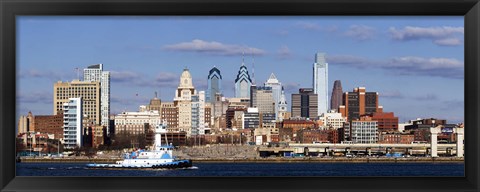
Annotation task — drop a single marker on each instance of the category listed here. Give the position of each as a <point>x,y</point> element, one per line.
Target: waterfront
<point>254,169</point>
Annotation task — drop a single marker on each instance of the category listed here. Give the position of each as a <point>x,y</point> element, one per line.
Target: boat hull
<point>169,165</point>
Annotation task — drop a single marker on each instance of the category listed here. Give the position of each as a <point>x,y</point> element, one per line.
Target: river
<point>254,169</point>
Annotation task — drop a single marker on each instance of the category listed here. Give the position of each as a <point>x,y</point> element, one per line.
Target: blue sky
<point>415,63</point>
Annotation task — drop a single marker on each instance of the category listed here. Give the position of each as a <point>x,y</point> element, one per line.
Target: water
<point>254,169</point>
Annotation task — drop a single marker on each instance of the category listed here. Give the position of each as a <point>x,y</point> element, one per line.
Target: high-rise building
<point>73,123</point>
<point>276,91</point>
<point>282,107</point>
<point>358,103</point>
<point>198,114</point>
<point>88,91</point>
<point>183,101</point>
<point>214,84</point>
<point>320,82</point>
<point>262,98</point>
<point>95,73</point>
<point>243,83</point>
<point>337,93</point>
<point>304,103</point>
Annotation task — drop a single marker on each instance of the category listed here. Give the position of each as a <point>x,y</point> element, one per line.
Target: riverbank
<point>266,160</point>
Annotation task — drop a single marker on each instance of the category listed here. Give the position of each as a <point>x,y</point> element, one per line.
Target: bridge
<point>433,149</point>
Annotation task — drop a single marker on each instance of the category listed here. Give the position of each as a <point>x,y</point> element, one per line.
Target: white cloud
<point>284,52</point>
<point>35,97</point>
<point>392,95</point>
<point>52,75</point>
<point>123,76</point>
<point>448,41</point>
<point>445,35</point>
<point>360,32</point>
<point>309,26</point>
<point>214,48</point>
<point>408,65</point>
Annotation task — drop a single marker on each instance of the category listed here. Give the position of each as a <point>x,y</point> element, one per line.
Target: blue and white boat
<point>161,157</point>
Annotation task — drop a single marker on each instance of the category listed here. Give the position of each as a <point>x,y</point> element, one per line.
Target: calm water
<point>255,169</point>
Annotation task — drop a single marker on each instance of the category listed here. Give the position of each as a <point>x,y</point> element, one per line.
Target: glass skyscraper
<point>243,83</point>
<point>276,90</point>
<point>320,82</point>
<point>214,84</point>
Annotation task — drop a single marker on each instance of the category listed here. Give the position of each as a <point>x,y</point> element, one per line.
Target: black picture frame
<point>9,9</point>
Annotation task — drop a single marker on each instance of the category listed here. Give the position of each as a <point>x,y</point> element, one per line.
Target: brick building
<point>312,135</point>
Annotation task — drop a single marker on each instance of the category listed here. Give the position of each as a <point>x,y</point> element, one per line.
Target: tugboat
<point>161,157</point>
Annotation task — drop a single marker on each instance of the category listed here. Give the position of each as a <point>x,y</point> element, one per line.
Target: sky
<point>415,63</point>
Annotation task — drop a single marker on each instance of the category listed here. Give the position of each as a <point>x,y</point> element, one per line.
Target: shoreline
<point>266,160</point>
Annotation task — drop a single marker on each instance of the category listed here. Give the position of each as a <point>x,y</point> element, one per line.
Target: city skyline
<point>424,57</point>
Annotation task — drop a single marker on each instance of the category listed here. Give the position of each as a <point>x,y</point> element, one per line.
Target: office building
<point>183,101</point>
<point>358,103</point>
<point>95,73</point>
<point>337,93</point>
<point>88,91</point>
<point>243,82</point>
<point>136,123</point>
<point>332,120</point>
<point>320,82</point>
<point>170,115</point>
<point>386,121</point>
<point>214,84</point>
<point>262,98</point>
<point>198,114</point>
<point>251,119</point>
<point>234,116</point>
<point>364,130</point>
<point>276,91</point>
<point>73,123</point>
<point>304,103</point>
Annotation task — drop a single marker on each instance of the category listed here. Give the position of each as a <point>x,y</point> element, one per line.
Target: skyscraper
<point>214,84</point>
<point>320,82</point>
<point>198,114</point>
<point>88,91</point>
<point>358,103</point>
<point>304,103</point>
<point>183,100</point>
<point>72,118</point>
<point>243,82</point>
<point>276,91</point>
<point>95,73</point>
<point>337,93</point>
<point>262,99</point>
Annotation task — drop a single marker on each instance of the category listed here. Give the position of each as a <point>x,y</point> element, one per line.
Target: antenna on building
<point>78,73</point>
<point>253,68</point>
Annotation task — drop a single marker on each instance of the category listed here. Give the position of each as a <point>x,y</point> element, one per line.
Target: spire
<point>243,58</point>
<point>156,95</point>
<point>272,76</point>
